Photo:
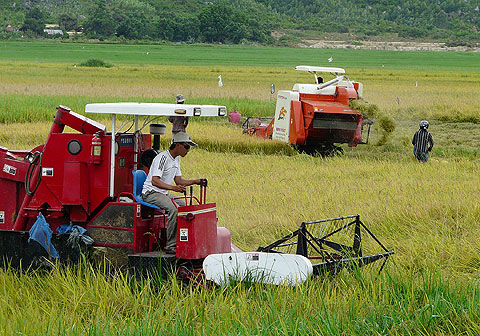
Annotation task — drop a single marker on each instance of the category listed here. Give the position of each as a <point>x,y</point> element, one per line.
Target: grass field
<point>233,55</point>
<point>429,213</point>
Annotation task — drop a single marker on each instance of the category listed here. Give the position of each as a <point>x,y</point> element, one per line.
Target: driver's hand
<point>179,188</point>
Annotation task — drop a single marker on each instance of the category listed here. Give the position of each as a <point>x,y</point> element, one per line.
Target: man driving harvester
<point>165,169</point>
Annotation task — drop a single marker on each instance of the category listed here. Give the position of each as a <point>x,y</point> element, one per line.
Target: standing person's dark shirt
<point>422,141</point>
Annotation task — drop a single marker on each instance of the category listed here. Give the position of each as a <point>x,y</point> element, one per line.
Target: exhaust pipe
<point>156,130</point>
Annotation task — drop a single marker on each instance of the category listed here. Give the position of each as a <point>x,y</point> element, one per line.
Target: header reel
<point>333,244</point>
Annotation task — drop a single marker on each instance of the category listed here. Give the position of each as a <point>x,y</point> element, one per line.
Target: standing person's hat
<point>424,124</point>
<point>180,98</point>
<point>183,137</point>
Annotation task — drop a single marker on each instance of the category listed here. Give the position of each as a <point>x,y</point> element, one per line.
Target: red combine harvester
<point>93,180</point>
<point>314,117</point>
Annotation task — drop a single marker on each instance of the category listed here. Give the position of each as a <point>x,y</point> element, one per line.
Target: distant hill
<point>450,19</point>
<point>241,21</point>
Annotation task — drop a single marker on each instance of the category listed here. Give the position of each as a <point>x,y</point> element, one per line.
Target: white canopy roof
<point>319,69</point>
<point>157,109</point>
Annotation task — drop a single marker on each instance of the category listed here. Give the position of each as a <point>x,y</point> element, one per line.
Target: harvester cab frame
<point>152,110</point>
<point>315,117</point>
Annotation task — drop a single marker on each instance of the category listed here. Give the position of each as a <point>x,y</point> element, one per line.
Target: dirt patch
<point>374,45</point>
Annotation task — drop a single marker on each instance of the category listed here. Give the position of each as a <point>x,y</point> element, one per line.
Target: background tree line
<point>445,19</point>
<point>237,21</point>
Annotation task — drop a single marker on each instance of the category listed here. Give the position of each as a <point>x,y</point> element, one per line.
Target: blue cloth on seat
<point>42,234</point>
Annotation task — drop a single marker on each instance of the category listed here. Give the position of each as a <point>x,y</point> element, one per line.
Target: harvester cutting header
<point>92,181</point>
<point>314,117</point>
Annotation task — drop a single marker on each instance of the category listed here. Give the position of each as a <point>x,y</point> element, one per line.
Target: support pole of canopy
<point>136,139</point>
<point>112,156</point>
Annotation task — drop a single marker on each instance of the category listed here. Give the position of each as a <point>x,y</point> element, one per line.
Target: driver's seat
<point>139,178</point>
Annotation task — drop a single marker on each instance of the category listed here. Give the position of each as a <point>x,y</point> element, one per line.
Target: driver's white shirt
<point>164,166</point>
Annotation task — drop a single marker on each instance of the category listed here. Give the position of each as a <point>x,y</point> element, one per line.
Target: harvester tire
<point>323,150</point>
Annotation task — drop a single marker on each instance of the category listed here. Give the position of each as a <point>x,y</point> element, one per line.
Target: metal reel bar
<point>313,242</point>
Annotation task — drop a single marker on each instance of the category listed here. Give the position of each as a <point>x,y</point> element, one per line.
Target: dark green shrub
<point>95,62</point>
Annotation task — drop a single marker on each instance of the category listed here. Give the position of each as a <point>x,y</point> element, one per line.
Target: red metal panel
<point>8,203</point>
<point>328,107</point>
<point>77,213</point>
<point>13,170</point>
<point>297,124</point>
<point>357,137</point>
<point>345,94</point>
<point>12,191</point>
<point>64,180</point>
<point>196,237</point>
<point>75,193</point>
<point>309,109</point>
<point>316,97</point>
<point>143,233</point>
<point>156,240</point>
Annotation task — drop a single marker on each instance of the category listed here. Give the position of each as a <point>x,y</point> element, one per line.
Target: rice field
<point>30,92</point>
<point>428,213</point>
<point>84,302</point>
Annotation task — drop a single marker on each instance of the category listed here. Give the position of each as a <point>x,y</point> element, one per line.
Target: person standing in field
<point>422,142</point>
<point>179,123</point>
